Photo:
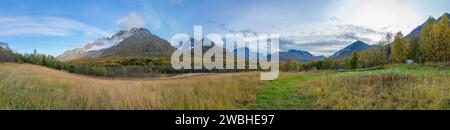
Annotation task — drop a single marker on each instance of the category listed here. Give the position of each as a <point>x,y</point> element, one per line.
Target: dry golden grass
<point>397,87</point>
<point>24,86</point>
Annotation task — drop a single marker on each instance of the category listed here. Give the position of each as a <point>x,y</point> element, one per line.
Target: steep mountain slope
<point>137,42</point>
<point>416,31</point>
<point>357,46</point>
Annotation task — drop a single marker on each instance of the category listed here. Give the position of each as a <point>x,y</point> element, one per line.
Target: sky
<point>318,26</point>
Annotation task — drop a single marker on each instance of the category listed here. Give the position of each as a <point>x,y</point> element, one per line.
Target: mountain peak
<point>122,34</point>
<point>358,43</point>
<point>357,46</point>
<point>136,42</point>
<point>136,30</point>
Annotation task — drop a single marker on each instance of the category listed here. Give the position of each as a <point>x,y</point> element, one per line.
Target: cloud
<point>317,48</point>
<point>319,39</point>
<point>330,38</point>
<point>45,26</point>
<point>132,20</point>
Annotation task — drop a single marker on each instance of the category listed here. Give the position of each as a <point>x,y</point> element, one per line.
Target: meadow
<point>25,86</point>
<point>392,87</point>
<point>397,87</point>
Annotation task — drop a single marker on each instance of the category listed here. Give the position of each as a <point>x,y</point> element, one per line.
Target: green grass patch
<point>281,94</point>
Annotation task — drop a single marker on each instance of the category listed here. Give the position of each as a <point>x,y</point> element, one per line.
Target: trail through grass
<point>281,94</point>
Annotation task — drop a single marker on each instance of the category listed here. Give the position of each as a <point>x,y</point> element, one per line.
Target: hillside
<point>137,42</point>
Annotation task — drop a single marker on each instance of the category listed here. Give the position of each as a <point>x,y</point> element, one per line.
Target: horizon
<point>319,27</point>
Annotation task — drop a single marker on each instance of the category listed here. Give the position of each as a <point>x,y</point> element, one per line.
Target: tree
<point>426,41</point>
<point>434,40</point>
<point>380,54</point>
<point>319,65</point>
<point>400,49</point>
<point>354,60</point>
<point>447,41</point>
<point>440,37</point>
<point>327,63</point>
<point>293,66</point>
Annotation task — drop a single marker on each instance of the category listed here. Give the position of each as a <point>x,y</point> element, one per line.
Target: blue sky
<point>318,26</point>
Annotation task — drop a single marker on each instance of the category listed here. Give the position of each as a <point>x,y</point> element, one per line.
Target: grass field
<point>281,94</point>
<point>24,86</point>
<point>396,87</point>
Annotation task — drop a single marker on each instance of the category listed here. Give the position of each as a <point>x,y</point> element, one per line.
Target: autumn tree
<point>426,41</point>
<point>399,49</point>
<point>440,37</point>
<point>447,41</point>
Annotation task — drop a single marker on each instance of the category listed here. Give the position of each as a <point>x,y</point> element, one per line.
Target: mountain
<point>416,31</point>
<point>5,53</point>
<point>297,55</point>
<point>136,42</point>
<point>321,57</point>
<point>4,45</point>
<point>357,46</point>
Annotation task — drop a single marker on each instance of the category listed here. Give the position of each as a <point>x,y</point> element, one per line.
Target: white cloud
<point>323,38</point>
<point>392,15</point>
<point>131,20</point>
<point>44,26</point>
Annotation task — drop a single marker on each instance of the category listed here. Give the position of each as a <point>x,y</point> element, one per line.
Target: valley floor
<point>24,86</point>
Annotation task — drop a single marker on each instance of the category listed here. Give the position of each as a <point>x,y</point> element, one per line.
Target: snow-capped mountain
<point>137,42</point>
